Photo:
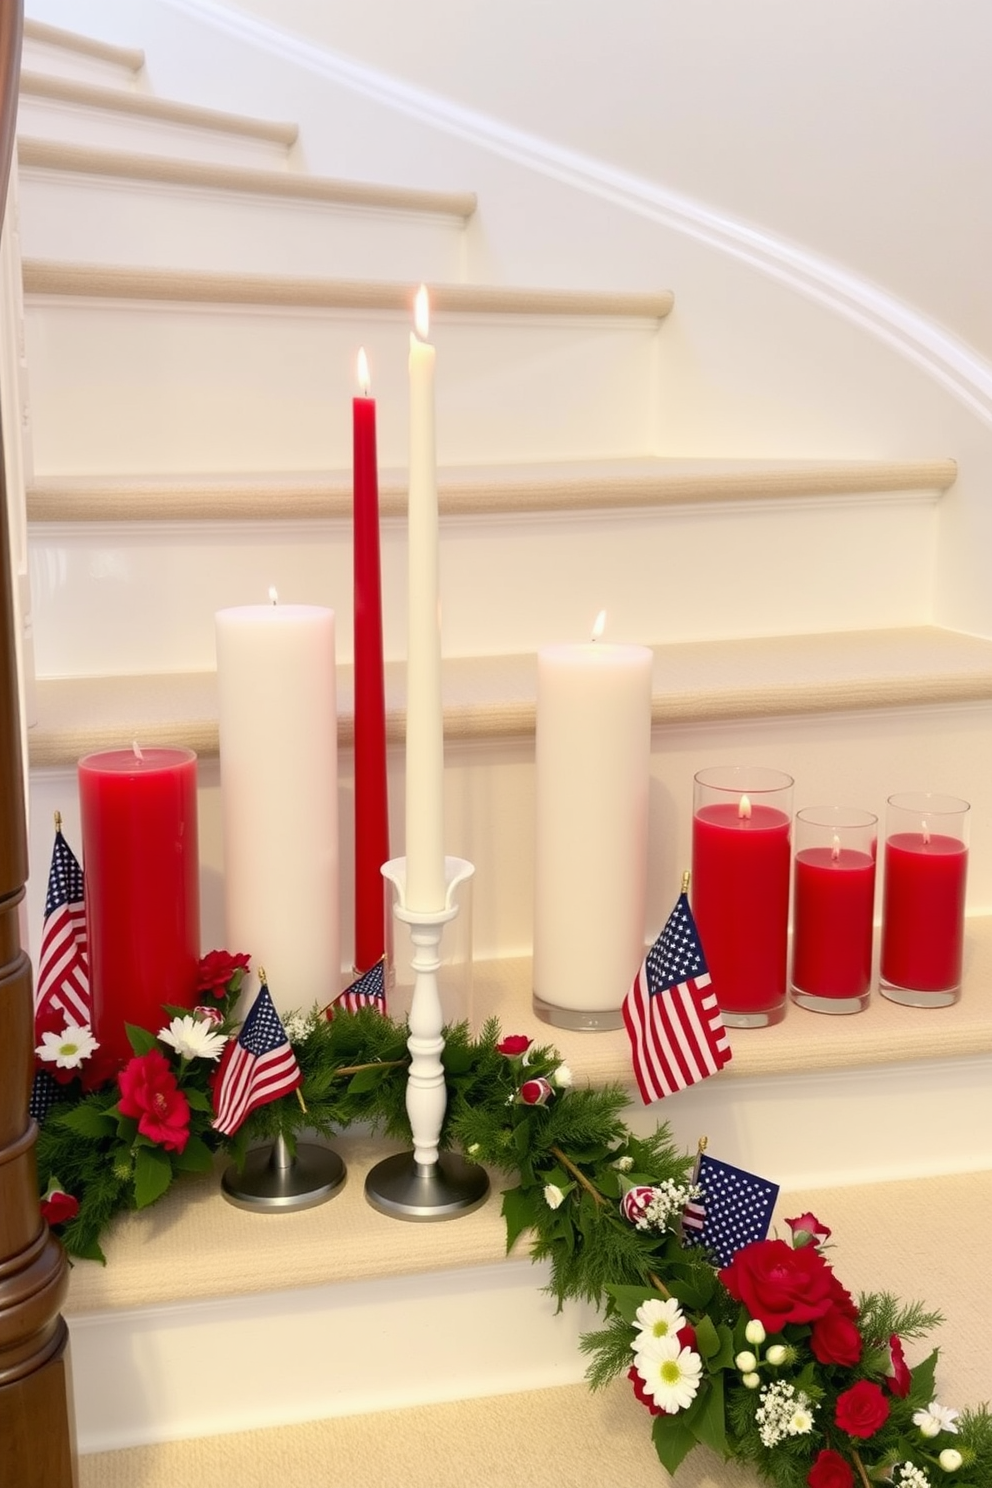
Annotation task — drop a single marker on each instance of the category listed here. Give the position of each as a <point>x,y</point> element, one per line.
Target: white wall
<point>859,129</point>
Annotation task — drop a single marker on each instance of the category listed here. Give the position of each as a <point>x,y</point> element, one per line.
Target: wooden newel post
<point>37,1433</point>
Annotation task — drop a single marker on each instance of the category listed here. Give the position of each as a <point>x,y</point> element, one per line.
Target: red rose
<point>513,1044</point>
<point>862,1409</point>
<point>536,1092</point>
<point>842,1299</point>
<point>216,969</point>
<point>642,1394</point>
<point>830,1471</point>
<point>149,1092</point>
<point>57,1207</point>
<point>899,1379</point>
<point>835,1339</point>
<point>807,1230</point>
<point>635,1201</point>
<point>779,1285</point>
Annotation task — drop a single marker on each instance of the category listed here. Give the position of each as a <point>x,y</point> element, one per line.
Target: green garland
<point>569,1160</point>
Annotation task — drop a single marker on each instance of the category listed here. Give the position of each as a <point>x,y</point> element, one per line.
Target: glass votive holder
<point>833,905</point>
<point>741,853</point>
<point>923,895</point>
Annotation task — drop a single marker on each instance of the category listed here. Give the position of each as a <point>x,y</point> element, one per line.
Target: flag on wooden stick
<point>63,985</point>
<point>671,1015</point>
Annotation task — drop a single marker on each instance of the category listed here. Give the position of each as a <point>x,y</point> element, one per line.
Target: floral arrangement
<point>769,1360</point>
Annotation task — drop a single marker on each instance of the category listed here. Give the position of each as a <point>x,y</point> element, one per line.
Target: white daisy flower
<point>671,1375</point>
<point>192,1038</point>
<point>935,1419</point>
<point>658,1318</point>
<point>800,1423</point>
<point>553,1195</point>
<point>68,1049</point>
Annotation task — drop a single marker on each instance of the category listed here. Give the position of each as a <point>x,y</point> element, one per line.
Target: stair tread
<point>148,106</point>
<point>52,155</point>
<point>495,696</point>
<point>185,286</point>
<point>130,58</point>
<point>368,1245</point>
<point>511,489</point>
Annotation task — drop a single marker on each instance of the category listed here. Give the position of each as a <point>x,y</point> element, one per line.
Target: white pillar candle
<point>593,764</point>
<point>279,796</point>
<point>425,885</point>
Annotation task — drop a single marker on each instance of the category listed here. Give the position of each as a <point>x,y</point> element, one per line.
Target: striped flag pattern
<point>256,1067</point>
<point>63,985</point>
<point>368,991</point>
<point>676,1031</point>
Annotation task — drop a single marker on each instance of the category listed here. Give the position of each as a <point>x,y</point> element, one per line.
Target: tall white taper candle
<point>425,883</point>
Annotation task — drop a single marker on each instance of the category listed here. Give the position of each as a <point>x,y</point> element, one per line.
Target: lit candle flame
<point>835,849</point>
<point>364,381</point>
<point>599,626</point>
<point>273,595</point>
<point>744,809</point>
<point>926,833</point>
<point>137,751</point>
<point>421,315</point>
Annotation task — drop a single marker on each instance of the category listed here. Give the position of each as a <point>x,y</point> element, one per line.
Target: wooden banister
<point>37,1432</point>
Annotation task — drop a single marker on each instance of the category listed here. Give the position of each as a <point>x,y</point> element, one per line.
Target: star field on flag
<point>256,1067</point>
<point>734,1209</point>
<point>368,991</point>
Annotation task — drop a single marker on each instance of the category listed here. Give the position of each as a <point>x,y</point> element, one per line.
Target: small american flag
<point>368,991</point>
<point>676,1032</point>
<point>733,1210</point>
<point>63,984</point>
<point>256,1067</point>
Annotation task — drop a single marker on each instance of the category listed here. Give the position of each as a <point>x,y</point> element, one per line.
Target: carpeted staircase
<point>193,300</point>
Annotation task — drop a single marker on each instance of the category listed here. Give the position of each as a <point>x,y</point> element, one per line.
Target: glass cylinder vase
<point>833,905</point>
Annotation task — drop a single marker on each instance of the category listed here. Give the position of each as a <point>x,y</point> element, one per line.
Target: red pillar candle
<point>926,869</point>
<point>371,799</point>
<point>141,867</point>
<point>741,850</point>
<point>833,908</point>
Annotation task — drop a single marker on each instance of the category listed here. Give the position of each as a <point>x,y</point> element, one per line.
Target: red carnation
<point>58,1206</point>
<point>899,1379</point>
<point>807,1230</point>
<point>513,1044</point>
<point>635,1201</point>
<point>149,1092</point>
<point>217,969</point>
<point>779,1285</point>
<point>641,1392</point>
<point>536,1092</point>
<point>835,1339</point>
<point>830,1471</point>
<point>862,1409</point>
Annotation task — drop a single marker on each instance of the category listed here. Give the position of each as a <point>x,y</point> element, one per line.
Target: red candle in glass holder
<point>833,908</point>
<point>138,814</point>
<point>741,854</point>
<point>923,899</point>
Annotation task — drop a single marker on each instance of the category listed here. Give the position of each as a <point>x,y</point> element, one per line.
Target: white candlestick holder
<point>426,1184</point>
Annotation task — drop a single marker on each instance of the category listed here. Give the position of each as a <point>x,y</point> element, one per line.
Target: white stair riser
<point>150,225</point>
<point>112,599</point>
<point>854,759</point>
<point>105,129</point>
<point>121,388</point>
<point>57,61</point>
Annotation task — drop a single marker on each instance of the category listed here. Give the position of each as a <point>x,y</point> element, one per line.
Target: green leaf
<point>458,1060</point>
<point>364,1081</point>
<point>724,1357</point>
<point>87,1121</point>
<point>198,1099</point>
<point>141,1041</point>
<point>152,1175</point>
<point>705,1417</point>
<point>695,1290</point>
<point>517,1212</point>
<point>922,1390</point>
<point>707,1338</point>
<point>673,1441</point>
<point>195,1157</point>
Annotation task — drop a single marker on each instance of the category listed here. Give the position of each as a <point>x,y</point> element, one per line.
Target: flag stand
<point>273,1179</point>
<point>426,1184</point>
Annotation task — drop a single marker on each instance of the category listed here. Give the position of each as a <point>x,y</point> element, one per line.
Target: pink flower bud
<point>536,1092</point>
<point>635,1201</point>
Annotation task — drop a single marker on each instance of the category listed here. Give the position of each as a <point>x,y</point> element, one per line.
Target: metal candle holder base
<point>426,1184</point>
<point>273,1181</point>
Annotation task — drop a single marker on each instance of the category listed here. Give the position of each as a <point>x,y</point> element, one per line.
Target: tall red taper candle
<point>371,800</point>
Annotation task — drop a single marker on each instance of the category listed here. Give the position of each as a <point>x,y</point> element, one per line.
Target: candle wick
<point>926,833</point>
<point>835,849</point>
<point>744,809</point>
<point>137,751</point>
<point>273,595</point>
